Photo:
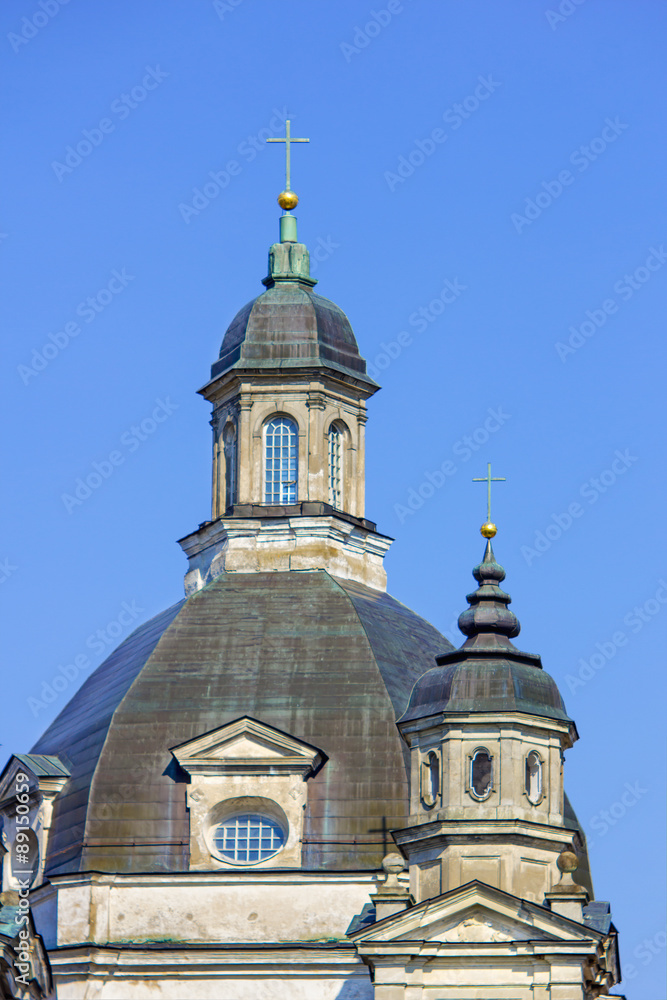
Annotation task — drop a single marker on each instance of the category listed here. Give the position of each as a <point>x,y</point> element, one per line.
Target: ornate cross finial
<point>288,190</point>
<point>489,529</point>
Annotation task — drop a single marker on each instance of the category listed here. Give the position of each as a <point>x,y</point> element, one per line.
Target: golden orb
<point>488,530</point>
<point>568,861</point>
<point>288,200</point>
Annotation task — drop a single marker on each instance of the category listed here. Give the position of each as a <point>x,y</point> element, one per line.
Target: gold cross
<point>488,479</point>
<point>287,140</point>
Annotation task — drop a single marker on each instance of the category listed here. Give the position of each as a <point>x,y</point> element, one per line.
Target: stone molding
<point>340,545</point>
<point>246,767</point>
<point>477,939</point>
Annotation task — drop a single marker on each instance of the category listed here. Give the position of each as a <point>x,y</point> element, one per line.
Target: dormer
<point>247,794</point>
<point>29,786</point>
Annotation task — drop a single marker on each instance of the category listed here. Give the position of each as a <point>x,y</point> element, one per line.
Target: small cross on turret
<point>287,199</point>
<point>489,529</point>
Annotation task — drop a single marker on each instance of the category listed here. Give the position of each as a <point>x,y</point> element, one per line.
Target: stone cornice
<point>345,546</point>
<point>443,832</point>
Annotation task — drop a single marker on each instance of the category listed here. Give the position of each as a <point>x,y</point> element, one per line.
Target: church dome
<point>488,673</point>
<point>492,684</point>
<point>289,325</point>
<point>328,661</point>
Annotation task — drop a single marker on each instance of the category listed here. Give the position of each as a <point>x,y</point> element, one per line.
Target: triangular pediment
<point>44,772</point>
<point>248,746</point>
<point>472,913</point>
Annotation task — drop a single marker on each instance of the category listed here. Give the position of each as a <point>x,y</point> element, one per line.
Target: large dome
<point>330,662</point>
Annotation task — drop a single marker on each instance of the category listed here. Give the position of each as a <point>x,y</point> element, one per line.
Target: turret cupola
<point>487,731</point>
<point>288,392</point>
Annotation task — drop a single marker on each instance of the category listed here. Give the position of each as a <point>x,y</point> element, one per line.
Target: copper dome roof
<point>289,326</point>
<point>488,673</point>
<point>330,662</point>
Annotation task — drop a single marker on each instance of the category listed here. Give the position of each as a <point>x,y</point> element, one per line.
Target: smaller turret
<point>487,731</point>
<point>289,391</point>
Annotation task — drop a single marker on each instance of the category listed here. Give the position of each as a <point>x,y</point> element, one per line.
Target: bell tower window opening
<point>231,459</point>
<point>336,438</point>
<point>533,777</point>
<point>481,774</point>
<point>281,461</point>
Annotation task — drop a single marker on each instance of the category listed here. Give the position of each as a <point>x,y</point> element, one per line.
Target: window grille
<point>336,467</point>
<point>281,471</point>
<point>249,838</point>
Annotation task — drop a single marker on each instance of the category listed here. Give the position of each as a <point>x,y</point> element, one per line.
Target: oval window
<point>481,774</point>
<point>533,777</point>
<point>248,838</point>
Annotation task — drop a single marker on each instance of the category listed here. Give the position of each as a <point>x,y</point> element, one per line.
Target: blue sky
<point>484,187</point>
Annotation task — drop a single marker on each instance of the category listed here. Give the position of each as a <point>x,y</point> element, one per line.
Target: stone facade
<point>209,814</point>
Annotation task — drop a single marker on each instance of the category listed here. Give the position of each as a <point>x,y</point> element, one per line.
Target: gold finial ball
<point>568,861</point>
<point>288,200</point>
<point>488,530</point>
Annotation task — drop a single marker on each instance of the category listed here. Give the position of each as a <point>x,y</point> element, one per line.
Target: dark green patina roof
<point>328,661</point>
<point>489,685</point>
<point>289,326</point>
<point>43,765</point>
<point>488,673</point>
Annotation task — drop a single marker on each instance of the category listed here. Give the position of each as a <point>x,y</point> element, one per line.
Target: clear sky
<point>484,194</point>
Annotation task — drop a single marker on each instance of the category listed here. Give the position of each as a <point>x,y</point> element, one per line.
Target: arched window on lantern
<point>336,465</point>
<point>430,779</point>
<point>281,461</point>
<point>481,773</point>
<point>231,459</point>
<point>533,777</point>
